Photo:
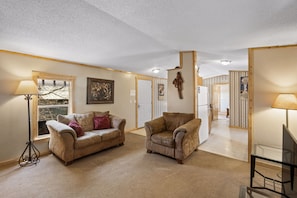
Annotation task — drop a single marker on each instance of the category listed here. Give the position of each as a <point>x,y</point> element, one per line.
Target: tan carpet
<point>127,172</point>
<point>140,131</point>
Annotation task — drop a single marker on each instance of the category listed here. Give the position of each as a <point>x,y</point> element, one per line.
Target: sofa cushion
<point>85,121</point>
<point>107,134</point>
<point>88,139</point>
<point>65,119</point>
<point>99,113</point>
<point>174,120</point>
<point>79,132</point>
<point>102,122</point>
<point>164,138</point>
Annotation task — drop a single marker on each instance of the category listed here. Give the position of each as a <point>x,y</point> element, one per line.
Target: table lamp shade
<point>285,101</point>
<point>26,87</point>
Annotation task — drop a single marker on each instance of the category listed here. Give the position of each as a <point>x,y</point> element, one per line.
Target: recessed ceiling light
<point>226,62</point>
<point>156,70</point>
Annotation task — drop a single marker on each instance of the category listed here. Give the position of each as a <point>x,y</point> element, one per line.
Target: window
<point>55,97</point>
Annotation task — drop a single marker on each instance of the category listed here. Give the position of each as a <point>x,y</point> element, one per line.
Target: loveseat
<point>173,134</point>
<point>76,135</point>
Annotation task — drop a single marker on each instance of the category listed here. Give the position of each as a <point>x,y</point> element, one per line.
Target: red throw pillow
<point>102,122</point>
<point>76,128</point>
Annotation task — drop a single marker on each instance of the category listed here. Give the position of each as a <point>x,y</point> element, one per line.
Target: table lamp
<point>28,88</point>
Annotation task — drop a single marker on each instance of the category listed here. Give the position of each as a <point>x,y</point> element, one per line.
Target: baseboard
<point>269,165</point>
<point>15,161</point>
<point>9,162</point>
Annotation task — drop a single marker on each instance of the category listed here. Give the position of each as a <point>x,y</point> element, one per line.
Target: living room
<point>271,70</point>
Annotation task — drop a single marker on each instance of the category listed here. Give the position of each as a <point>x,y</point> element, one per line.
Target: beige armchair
<point>174,135</point>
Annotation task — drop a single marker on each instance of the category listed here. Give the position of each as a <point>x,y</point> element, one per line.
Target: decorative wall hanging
<point>244,86</point>
<point>161,91</point>
<point>100,91</point>
<point>178,83</point>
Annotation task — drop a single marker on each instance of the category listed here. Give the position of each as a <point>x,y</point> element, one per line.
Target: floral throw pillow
<point>77,128</point>
<point>102,122</point>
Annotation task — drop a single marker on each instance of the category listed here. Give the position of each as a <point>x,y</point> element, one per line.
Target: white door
<point>144,102</point>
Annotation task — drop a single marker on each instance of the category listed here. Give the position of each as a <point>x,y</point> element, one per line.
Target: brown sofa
<point>68,143</point>
<point>174,135</point>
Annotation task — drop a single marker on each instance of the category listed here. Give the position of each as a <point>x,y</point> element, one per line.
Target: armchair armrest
<point>189,127</point>
<point>186,139</point>
<point>60,128</point>
<point>154,126</point>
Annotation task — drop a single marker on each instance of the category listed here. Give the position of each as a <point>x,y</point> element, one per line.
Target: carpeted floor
<point>127,172</point>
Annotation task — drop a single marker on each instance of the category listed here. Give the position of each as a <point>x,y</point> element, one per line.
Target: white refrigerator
<point>203,113</point>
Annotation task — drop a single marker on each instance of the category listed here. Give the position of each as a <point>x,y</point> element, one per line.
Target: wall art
<point>100,91</point>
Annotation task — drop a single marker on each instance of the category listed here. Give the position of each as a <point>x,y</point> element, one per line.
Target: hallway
<point>229,142</point>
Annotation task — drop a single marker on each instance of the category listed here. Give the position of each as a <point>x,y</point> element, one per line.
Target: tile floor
<point>229,142</point>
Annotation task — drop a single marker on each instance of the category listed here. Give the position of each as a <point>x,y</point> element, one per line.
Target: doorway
<point>144,101</point>
<point>220,101</point>
<point>224,140</point>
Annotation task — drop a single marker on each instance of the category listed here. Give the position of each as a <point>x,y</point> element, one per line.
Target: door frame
<point>152,96</point>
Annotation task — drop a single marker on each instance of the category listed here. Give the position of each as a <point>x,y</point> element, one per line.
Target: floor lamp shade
<point>26,87</point>
<point>287,101</point>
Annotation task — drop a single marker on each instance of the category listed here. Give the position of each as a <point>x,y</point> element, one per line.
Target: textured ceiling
<point>139,35</point>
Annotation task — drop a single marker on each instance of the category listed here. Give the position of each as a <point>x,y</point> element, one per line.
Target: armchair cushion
<point>164,138</point>
<point>174,120</point>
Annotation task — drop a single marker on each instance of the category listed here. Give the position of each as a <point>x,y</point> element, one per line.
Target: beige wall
<point>187,104</point>
<point>272,71</point>
<point>15,67</point>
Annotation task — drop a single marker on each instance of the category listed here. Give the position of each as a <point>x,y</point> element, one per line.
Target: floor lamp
<point>286,101</point>
<point>28,88</point>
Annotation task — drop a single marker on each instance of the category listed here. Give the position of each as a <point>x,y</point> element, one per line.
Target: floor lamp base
<point>32,157</point>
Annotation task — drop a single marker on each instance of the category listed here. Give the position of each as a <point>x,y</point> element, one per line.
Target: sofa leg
<point>180,161</point>
<point>196,149</point>
<point>68,163</point>
<point>121,144</point>
<point>148,151</point>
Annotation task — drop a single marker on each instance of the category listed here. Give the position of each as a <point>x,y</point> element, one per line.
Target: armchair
<point>174,135</point>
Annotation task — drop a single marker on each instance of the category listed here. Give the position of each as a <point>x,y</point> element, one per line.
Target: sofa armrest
<point>118,123</point>
<point>62,140</point>
<point>190,127</point>
<point>60,128</point>
<point>154,126</point>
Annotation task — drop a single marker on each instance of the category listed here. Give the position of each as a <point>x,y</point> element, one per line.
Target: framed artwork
<point>161,91</point>
<point>244,86</point>
<point>100,91</point>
